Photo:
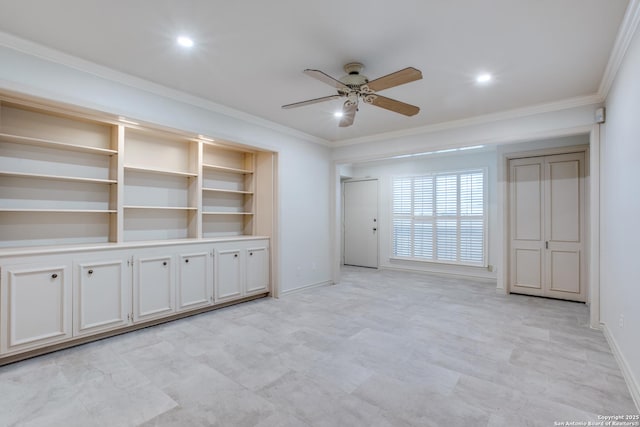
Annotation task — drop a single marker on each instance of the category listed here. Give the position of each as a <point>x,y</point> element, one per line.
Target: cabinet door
<point>257,270</point>
<point>195,289</point>
<point>228,283</point>
<point>153,288</point>
<point>102,295</point>
<point>36,306</point>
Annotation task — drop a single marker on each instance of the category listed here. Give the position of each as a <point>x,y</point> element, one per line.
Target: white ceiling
<point>249,55</point>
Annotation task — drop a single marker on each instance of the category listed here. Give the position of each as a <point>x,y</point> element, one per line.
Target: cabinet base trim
<point>5,360</point>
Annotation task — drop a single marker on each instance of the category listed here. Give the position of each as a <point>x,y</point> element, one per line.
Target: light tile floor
<point>381,349</point>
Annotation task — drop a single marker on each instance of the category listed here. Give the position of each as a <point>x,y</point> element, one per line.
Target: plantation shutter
<point>440,217</point>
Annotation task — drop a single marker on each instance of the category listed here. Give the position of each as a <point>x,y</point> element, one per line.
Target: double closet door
<point>547,226</point>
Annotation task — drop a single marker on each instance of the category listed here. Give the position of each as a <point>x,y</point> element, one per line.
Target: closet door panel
<point>564,272</point>
<point>527,225</point>
<point>564,225</point>
<point>563,187</point>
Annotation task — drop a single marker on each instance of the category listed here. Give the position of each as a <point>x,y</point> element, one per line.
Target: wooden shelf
<point>220,190</point>
<point>227,213</point>
<point>166,208</point>
<point>226,169</point>
<point>59,210</point>
<point>58,177</point>
<point>159,171</point>
<point>55,144</point>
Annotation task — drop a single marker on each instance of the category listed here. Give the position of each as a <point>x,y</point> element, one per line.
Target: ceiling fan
<point>355,87</point>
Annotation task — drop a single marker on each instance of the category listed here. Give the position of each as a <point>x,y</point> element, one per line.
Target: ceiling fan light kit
<point>356,87</point>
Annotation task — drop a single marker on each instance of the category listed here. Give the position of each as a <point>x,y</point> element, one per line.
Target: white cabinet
<point>242,269</point>
<point>36,306</point>
<point>195,287</point>
<point>153,287</point>
<point>102,295</point>
<point>55,297</point>
<point>257,268</point>
<point>228,274</point>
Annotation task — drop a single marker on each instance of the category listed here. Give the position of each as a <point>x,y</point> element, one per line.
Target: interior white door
<point>361,223</point>
<point>527,225</point>
<point>547,224</point>
<point>565,195</point>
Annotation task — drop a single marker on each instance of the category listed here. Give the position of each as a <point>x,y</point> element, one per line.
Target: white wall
<point>384,172</point>
<point>490,158</point>
<point>303,166</point>
<point>620,216</point>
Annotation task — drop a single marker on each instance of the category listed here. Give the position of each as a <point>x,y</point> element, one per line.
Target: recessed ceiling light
<point>483,78</point>
<point>185,41</point>
<point>338,114</point>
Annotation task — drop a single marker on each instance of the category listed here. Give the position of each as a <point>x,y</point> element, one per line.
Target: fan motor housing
<point>354,79</point>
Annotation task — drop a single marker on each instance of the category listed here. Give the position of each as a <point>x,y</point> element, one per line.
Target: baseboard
<point>306,287</point>
<point>632,383</point>
<point>462,274</point>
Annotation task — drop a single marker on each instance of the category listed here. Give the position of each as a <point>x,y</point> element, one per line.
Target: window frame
<point>433,218</point>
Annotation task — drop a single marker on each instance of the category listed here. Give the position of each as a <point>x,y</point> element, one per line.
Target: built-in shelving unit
<point>69,177</point>
<point>107,225</point>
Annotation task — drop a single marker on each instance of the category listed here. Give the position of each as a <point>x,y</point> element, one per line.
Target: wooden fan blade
<point>348,115</point>
<point>398,78</point>
<point>311,101</point>
<point>325,78</point>
<point>395,106</point>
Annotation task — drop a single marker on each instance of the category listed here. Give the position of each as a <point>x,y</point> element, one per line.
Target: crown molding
<point>490,143</point>
<point>34,49</point>
<point>623,40</point>
<point>478,120</point>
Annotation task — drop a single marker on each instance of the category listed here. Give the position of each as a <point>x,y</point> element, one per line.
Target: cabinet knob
<point>54,276</point>
<point>186,260</point>
<point>235,255</point>
<point>164,263</point>
<point>90,271</point>
<point>250,253</point>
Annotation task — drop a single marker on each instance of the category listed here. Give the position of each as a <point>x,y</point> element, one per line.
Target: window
<point>440,217</point>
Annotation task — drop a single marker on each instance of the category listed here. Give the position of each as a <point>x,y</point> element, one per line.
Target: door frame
<point>342,216</point>
<point>591,257</point>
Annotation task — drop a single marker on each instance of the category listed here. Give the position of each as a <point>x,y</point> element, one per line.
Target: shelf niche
<point>227,224</point>
<point>58,178</point>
